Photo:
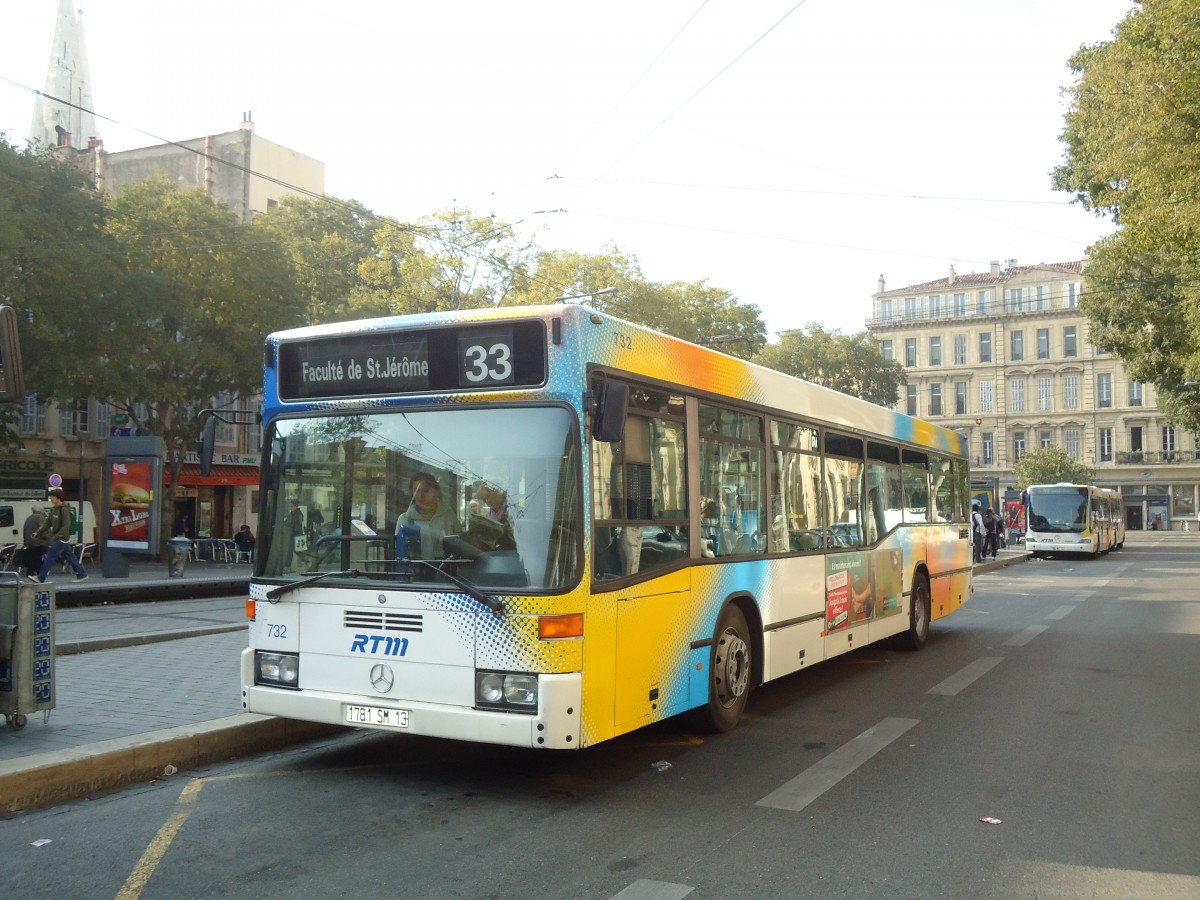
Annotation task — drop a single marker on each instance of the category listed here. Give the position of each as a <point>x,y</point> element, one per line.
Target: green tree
<point>333,246</point>
<point>851,363</point>
<point>1132,155</point>
<point>567,273</point>
<point>692,311</point>
<point>200,294</point>
<point>57,267</point>
<point>1050,465</point>
<point>448,261</point>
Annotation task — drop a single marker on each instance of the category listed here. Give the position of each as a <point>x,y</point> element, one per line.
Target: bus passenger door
<point>653,637</point>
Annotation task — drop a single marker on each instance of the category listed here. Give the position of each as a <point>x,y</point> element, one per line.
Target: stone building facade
<point>1004,357</point>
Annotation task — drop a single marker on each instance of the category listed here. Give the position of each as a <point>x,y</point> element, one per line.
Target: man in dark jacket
<point>57,528</point>
<point>35,546</point>
<point>991,537</point>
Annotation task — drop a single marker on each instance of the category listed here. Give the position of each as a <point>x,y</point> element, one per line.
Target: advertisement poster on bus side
<point>862,586</point>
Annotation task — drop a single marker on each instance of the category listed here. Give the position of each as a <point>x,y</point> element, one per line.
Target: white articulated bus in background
<point>1072,518</point>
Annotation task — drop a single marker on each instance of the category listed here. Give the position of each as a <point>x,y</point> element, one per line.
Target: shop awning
<point>220,475</point>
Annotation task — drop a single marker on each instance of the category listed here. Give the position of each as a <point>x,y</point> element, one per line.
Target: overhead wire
<point>729,65</point>
<point>660,55</point>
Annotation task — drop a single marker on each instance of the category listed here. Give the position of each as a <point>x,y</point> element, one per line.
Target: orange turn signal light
<point>568,626</point>
<point>250,609</point>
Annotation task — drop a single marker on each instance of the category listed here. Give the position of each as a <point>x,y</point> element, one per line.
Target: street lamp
<point>79,436</point>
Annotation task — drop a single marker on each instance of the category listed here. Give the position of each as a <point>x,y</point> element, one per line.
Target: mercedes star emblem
<point>382,678</point>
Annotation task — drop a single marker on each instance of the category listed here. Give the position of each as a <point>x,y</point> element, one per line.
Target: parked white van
<point>13,514</point>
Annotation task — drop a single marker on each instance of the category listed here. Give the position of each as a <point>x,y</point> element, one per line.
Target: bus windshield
<point>1058,509</point>
<point>488,495</point>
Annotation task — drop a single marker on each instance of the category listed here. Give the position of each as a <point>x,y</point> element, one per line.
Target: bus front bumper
<point>1066,544</point>
<point>556,724</point>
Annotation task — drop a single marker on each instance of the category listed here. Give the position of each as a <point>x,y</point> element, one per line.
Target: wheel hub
<point>734,670</point>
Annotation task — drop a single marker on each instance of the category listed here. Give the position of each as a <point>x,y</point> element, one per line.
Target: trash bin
<point>177,556</point>
<point>26,650</point>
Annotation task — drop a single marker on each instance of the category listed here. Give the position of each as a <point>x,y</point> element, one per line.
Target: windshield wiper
<point>275,593</point>
<point>469,589</point>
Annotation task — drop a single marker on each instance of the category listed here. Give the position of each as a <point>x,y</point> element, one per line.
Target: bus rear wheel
<point>918,616</point>
<point>729,672</point>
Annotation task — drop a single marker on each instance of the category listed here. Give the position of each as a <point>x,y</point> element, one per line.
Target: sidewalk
<point>1013,553</point>
<point>148,581</point>
<point>138,687</point>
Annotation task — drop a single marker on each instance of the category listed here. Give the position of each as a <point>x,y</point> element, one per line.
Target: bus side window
<point>640,489</point>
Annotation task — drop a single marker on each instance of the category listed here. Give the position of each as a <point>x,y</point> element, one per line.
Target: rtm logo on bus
<point>388,646</point>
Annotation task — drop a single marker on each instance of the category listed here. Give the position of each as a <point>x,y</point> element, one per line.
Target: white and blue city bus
<point>546,527</point>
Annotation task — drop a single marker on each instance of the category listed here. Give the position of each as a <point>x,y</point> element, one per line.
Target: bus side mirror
<point>208,439</point>
<point>608,420</point>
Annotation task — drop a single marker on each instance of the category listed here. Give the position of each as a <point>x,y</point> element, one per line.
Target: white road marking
<point>644,889</point>
<point>1024,637</point>
<point>1061,613</point>
<point>965,676</point>
<point>823,775</point>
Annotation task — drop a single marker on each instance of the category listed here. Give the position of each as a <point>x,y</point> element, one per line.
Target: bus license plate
<point>380,716</point>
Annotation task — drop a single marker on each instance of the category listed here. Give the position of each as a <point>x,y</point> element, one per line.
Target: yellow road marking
<point>140,876</point>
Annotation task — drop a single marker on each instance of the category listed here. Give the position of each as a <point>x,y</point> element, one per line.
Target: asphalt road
<point>1061,703</point>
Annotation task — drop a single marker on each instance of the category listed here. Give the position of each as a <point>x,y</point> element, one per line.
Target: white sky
<point>856,138</point>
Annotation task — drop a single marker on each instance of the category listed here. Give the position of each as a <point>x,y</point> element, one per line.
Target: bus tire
<point>729,671</point>
<point>918,616</point>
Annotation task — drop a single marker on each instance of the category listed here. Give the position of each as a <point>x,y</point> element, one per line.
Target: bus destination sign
<point>382,363</point>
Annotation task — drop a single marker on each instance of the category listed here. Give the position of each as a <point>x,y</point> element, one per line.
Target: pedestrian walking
<point>57,529</point>
<point>978,532</point>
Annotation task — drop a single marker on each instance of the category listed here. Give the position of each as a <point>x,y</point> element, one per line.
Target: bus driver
<point>427,513</point>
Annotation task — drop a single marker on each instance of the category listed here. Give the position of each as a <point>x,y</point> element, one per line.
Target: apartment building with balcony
<point>1004,357</point>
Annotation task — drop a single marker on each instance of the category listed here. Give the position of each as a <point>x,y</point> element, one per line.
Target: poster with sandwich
<point>130,496</point>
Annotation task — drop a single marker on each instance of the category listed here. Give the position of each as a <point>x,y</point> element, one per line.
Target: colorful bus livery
<point>547,527</point>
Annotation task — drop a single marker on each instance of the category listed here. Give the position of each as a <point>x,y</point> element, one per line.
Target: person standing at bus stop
<point>978,532</point>
<point>991,534</point>
<point>35,546</point>
<point>57,528</point>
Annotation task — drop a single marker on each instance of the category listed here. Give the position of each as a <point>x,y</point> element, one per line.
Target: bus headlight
<point>277,669</point>
<point>507,691</point>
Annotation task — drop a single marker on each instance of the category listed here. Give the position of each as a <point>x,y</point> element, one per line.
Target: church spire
<point>54,122</point>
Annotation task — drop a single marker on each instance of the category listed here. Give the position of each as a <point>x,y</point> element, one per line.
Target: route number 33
<point>487,359</point>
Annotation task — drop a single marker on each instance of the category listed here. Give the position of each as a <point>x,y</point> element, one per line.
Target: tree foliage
<point>451,260</point>
<point>58,267</point>
<point>333,247</point>
<point>1050,465</point>
<point>1132,154</point>
<point>851,364</point>
<point>613,282</point>
<point>199,295</point>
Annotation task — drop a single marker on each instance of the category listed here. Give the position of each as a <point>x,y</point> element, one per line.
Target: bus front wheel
<point>729,671</point>
<point>918,617</point>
